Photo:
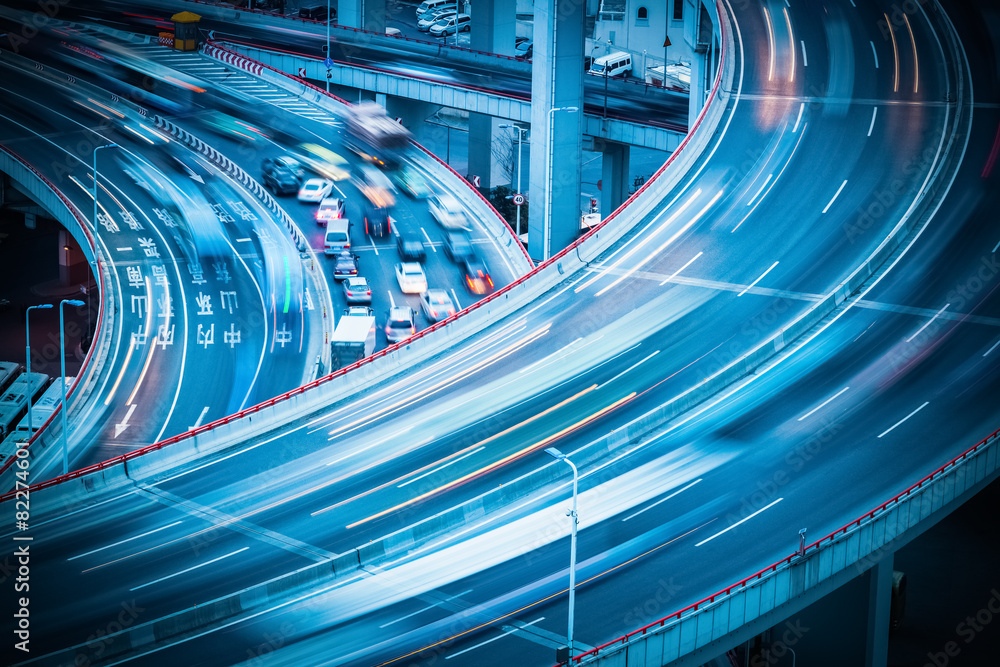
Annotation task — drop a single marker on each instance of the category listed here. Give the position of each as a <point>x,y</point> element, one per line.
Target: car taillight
<point>368,292</point>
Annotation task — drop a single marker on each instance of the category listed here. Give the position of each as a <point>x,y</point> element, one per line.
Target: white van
<point>612,64</point>
<point>338,237</point>
<point>431,6</point>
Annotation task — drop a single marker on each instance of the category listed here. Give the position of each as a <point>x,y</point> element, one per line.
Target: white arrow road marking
<point>123,424</point>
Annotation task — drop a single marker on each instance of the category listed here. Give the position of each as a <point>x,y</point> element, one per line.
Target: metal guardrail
<point>809,557</point>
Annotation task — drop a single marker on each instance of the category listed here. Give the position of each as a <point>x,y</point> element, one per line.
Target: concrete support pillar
<point>879,607</point>
<point>412,113</point>
<point>556,83</point>
<point>614,177</point>
<point>493,26</point>
<point>483,162</point>
<point>367,14</point>
<point>697,98</point>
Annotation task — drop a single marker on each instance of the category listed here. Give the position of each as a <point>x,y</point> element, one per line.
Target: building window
<point>642,14</point>
<point>678,10</point>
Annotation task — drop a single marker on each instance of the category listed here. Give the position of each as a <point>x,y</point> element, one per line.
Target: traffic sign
<point>518,199</point>
<point>302,72</point>
<point>328,62</point>
<point>475,181</point>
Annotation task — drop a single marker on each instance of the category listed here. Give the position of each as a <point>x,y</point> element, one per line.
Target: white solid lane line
<point>441,467</point>
<point>805,59</point>
<point>193,567</point>
<point>512,630</point>
<point>429,242</point>
<point>798,119</point>
<point>904,418</point>
<point>921,329</point>
<point>827,208</point>
<point>726,530</point>
<point>823,404</point>
<point>638,363</point>
<point>874,53</point>
<point>427,608</point>
<point>661,500</point>
<point>129,539</point>
<point>872,126</point>
<point>759,278</point>
<point>675,273</point>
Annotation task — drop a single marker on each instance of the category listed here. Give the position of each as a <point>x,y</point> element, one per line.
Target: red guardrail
<point>124,458</point>
<point>345,102</point>
<point>624,639</point>
<point>82,221</point>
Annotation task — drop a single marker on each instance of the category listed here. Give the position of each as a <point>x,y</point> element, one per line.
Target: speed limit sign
<point>518,199</point>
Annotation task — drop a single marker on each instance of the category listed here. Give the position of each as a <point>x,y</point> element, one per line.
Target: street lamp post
<point>519,130</point>
<point>574,518</point>
<point>62,379</point>
<point>548,180</point>
<point>95,178</point>
<point>328,41</point>
<point>27,352</point>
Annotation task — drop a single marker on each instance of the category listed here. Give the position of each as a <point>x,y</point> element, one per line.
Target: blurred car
<point>282,174</point>
<point>429,19</point>
<point>447,210</point>
<point>359,311</point>
<point>323,161</point>
<point>412,183</point>
<point>449,25</point>
<point>411,278</point>
<point>393,32</point>
<point>411,249</point>
<point>315,190</point>
<point>477,276</point>
<point>377,220</point>
<point>458,247</point>
<point>436,305</point>
<point>345,266</point>
<point>226,125</point>
<point>399,325</point>
<point>357,290</point>
<point>331,208</point>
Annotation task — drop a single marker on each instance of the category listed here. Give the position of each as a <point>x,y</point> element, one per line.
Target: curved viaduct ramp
<point>772,237</point>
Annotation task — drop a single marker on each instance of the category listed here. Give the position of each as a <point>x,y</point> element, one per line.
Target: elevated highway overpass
<point>689,491</point>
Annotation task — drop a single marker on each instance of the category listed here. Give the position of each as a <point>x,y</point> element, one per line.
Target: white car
<point>448,212</point>
<point>437,305</point>
<point>411,278</point>
<point>315,190</point>
<point>424,24</point>
<point>330,208</point>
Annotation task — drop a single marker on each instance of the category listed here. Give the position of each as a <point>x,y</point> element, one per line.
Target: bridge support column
<point>493,26</point>
<point>879,606</point>
<point>366,14</point>
<point>483,162</point>
<point>614,175</point>
<point>556,149</point>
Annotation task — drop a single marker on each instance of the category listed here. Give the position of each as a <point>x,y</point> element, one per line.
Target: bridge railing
<point>864,539</point>
<point>10,163</point>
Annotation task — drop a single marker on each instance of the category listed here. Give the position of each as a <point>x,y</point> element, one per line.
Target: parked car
<point>411,278</point>
<point>523,48</point>
<point>399,324</point>
<point>345,266</point>
<point>315,190</point>
<point>436,305</point>
<point>458,247</point>
<point>429,19</point>
<point>411,249</point>
<point>357,290</point>
<point>477,276</point>
<point>451,24</point>
<point>331,208</point>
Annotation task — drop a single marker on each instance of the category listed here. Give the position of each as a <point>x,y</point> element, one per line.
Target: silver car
<point>399,324</point>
